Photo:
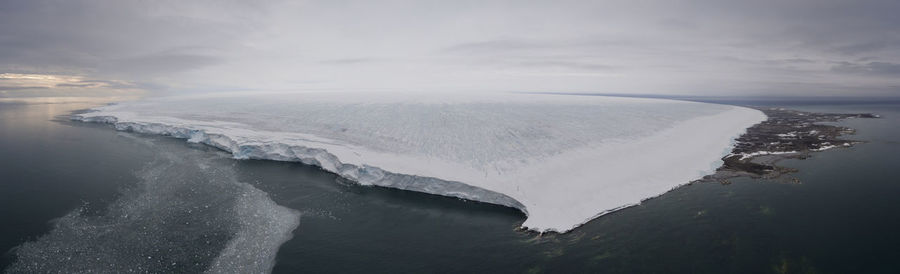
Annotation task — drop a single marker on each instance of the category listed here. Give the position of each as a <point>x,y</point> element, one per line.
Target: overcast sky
<point>748,48</point>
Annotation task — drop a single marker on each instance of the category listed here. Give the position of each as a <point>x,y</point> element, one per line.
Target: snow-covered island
<point>561,159</point>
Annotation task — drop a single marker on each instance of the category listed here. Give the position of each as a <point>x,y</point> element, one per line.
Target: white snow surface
<point>759,153</point>
<point>561,159</point>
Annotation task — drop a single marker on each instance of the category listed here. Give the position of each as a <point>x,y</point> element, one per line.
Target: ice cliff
<point>561,159</point>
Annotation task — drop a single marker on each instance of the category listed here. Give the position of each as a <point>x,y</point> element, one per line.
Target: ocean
<point>81,196</point>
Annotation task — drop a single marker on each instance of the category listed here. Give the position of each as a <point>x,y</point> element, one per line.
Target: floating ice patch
<point>187,214</point>
<point>561,159</point>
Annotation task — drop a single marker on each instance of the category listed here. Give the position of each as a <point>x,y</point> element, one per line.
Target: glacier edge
<point>363,175</point>
<point>608,176</point>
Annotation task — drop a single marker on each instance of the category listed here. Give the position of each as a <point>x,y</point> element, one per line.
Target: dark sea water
<point>76,197</point>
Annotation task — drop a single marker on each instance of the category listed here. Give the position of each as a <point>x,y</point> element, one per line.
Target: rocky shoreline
<point>785,134</point>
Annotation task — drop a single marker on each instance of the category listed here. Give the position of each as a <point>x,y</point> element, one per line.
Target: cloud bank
<point>721,48</point>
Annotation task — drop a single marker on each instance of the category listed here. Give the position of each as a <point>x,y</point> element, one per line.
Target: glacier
<point>563,160</point>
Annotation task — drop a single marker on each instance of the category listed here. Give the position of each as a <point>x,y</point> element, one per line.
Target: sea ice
<point>561,159</point>
<point>187,213</point>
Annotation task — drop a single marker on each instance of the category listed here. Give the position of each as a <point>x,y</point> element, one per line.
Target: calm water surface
<point>68,189</point>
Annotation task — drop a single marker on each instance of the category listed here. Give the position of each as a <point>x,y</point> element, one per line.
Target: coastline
<point>842,189</point>
<point>786,134</point>
<point>542,212</point>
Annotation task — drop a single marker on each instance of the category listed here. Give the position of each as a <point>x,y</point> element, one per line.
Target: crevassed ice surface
<point>562,159</point>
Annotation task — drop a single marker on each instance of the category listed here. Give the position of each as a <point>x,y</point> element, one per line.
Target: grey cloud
<point>866,59</point>
<point>867,47</point>
<point>5,88</point>
<point>577,66</point>
<point>514,46</point>
<point>711,46</point>
<point>93,83</point>
<point>797,61</point>
<point>108,37</point>
<point>871,68</point>
<point>347,61</point>
<point>492,46</point>
<point>165,63</point>
<point>678,23</point>
<point>120,84</point>
<point>777,62</point>
<point>64,85</point>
